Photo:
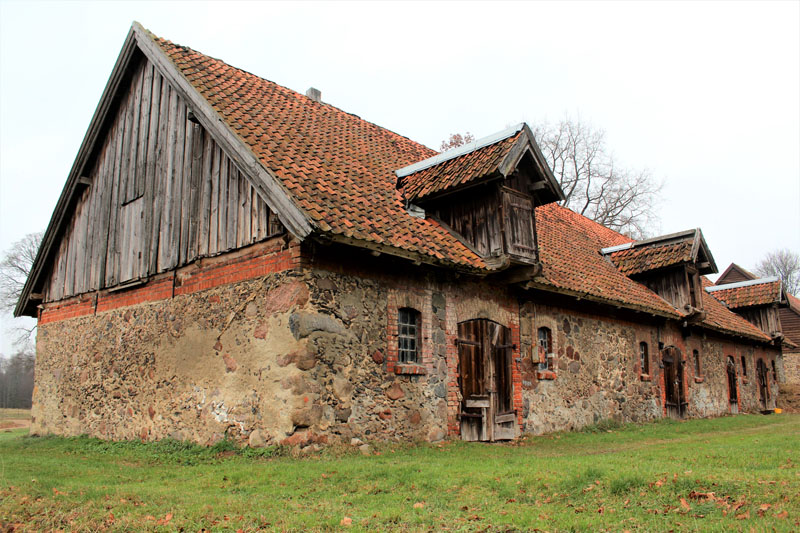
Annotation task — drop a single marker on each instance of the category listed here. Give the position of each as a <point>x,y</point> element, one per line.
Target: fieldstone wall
<point>308,356</point>
<point>596,373</point>
<point>791,366</point>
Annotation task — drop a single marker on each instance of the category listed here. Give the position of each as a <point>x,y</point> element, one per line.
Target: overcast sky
<point>705,95</point>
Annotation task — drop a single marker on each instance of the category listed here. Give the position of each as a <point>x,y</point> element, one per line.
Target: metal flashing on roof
<point>738,284</point>
<point>461,150</point>
<point>617,248</point>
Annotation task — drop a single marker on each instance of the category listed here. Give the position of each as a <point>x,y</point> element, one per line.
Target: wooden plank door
<point>518,225</point>
<point>763,384</point>
<point>673,382</point>
<point>484,350</point>
<point>732,395</point>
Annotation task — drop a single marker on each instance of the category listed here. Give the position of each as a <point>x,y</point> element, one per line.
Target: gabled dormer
<point>756,300</point>
<point>485,193</point>
<point>670,266</point>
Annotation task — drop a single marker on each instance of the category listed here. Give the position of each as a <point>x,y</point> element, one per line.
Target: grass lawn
<point>726,474</point>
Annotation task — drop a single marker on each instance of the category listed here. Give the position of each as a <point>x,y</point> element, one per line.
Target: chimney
<point>314,94</point>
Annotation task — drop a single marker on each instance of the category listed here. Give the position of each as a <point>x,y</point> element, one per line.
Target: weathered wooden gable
<point>160,194</point>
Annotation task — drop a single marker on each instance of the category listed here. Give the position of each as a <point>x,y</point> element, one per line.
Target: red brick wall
<point>252,262</point>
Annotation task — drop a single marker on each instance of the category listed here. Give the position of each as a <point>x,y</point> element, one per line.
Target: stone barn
<point>230,258</point>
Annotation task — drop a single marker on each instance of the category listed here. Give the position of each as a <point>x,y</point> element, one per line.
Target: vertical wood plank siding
<point>162,194</point>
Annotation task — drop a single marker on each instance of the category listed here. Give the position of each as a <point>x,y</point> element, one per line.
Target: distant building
<point>777,312</point>
<point>230,257</point>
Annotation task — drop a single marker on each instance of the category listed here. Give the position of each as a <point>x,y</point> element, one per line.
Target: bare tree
<point>456,140</point>
<point>15,266</point>
<point>594,183</point>
<point>783,264</point>
<point>16,380</point>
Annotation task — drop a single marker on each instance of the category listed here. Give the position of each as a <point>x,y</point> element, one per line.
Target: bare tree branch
<point>785,264</point>
<point>594,184</point>
<point>14,268</point>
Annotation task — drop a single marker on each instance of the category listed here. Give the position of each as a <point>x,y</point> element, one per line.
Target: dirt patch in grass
<point>8,425</point>
<point>789,398</point>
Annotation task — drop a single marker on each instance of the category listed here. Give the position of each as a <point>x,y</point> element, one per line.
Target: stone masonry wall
<point>791,365</point>
<point>598,374</point>
<point>279,346</point>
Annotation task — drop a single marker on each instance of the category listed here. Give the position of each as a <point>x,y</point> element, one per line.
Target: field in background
<point>726,474</point>
<point>13,419</point>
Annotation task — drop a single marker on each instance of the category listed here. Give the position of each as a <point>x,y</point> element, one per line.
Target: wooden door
<point>673,382</point>
<point>763,384</point>
<point>730,368</point>
<point>484,354</point>
<point>518,225</point>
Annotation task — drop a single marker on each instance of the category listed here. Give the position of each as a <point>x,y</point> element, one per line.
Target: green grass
<point>609,477</point>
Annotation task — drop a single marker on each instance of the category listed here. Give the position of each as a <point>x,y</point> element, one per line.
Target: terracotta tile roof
<point>721,318</point>
<point>338,168</point>
<point>569,248</point>
<point>748,295</point>
<point>638,260</point>
<point>458,171</point>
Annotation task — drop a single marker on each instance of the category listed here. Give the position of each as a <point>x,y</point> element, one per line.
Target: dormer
<point>485,193</point>
<point>670,266</point>
<point>756,300</point>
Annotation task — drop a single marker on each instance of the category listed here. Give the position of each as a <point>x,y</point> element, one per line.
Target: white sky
<point>705,95</point>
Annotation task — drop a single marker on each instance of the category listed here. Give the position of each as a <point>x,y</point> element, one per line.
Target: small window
<point>697,371</point>
<point>744,367</point>
<point>644,358</point>
<point>545,349</point>
<point>408,327</point>
<point>774,372</point>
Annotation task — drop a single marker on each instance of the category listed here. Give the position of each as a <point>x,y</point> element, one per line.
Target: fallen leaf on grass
<point>685,504</point>
<point>346,521</point>
<point>744,516</point>
<point>149,517</point>
<point>783,514</point>
<point>419,505</point>
<point>694,495</point>
<point>164,521</point>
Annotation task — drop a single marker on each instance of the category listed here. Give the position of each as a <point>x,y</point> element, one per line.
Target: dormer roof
<point>756,292</point>
<point>489,158</point>
<point>663,252</point>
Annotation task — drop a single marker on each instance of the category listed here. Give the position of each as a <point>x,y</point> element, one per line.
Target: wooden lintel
<point>704,264</point>
<point>84,181</point>
<point>375,253</point>
<point>38,296</point>
<point>520,274</point>
<point>539,185</point>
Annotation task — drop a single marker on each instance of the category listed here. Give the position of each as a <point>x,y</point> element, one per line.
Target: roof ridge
<point>739,284</point>
<point>460,151</point>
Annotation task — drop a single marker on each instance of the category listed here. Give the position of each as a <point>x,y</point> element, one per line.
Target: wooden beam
<point>84,181</point>
<point>519,274</point>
